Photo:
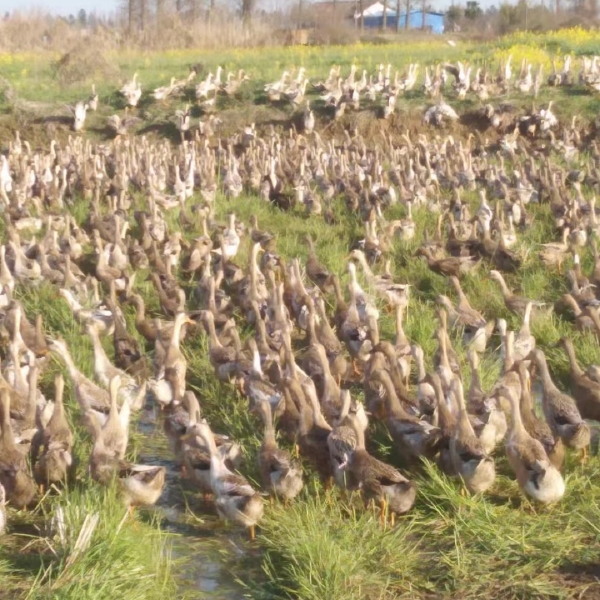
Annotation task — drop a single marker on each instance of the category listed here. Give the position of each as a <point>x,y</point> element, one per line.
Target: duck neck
<point>256,366</point>
<point>7,439</point>
<point>400,335</point>
<point>518,428</point>
<point>269,430</point>
<point>545,374</point>
<point>74,372</point>
<point>420,361</point>
<point>503,287</point>
<point>365,266</point>
<point>360,435</point>
<point>576,370</point>
<point>140,314</point>
<point>100,359</point>
<point>444,362</point>
<point>393,403</point>
<point>30,410</point>
<point>212,333</point>
<point>475,379</point>
<point>465,427</point>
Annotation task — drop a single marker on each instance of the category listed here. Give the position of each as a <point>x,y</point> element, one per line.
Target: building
<point>331,11</point>
<point>373,19</point>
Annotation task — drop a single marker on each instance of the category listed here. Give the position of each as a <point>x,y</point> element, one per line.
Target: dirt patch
<point>84,62</point>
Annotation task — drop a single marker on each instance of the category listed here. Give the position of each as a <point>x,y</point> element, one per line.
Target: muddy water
<point>205,550</point>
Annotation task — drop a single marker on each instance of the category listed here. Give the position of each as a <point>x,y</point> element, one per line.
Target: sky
<point>61,7</point>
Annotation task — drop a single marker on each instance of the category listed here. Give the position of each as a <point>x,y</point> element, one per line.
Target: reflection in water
<point>202,547</point>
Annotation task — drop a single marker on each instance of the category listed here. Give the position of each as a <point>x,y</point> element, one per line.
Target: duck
<point>342,440</point>
<point>471,462</point>
<point>457,266</point>
<point>515,304</point>
<point>18,484</point>
<point>139,485</point>
<point>396,294</point>
<point>236,500</point>
<point>378,481</point>
<point>195,453</point>
<point>315,271</point>
<point>586,391</point>
<point>536,475</point>
<point>99,315</point>
<point>561,410</point>
<point>128,355</point>
<point>476,330</point>
<point>173,359</point>
<point>281,476</point>
<point>554,253</point>
<point>115,432</point>
<point>490,421</point>
<point>129,391</point>
<point>56,461</point>
<point>415,437</point>
<point>90,397</point>
<point>537,427</point>
<point>230,240</point>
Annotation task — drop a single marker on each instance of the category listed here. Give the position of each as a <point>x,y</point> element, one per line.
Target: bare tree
<point>247,10</point>
<point>406,16</point>
<point>423,13</point>
<point>194,9</point>
<point>160,10</point>
<point>384,24</point>
<point>143,13</point>
<point>130,4</point>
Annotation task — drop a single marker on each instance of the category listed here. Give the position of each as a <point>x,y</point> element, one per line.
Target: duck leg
<point>252,530</point>
<point>383,515</point>
<point>583,455</point>
<point>393,519</point>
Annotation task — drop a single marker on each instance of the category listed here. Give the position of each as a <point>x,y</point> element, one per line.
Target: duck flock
<point>152,209</point>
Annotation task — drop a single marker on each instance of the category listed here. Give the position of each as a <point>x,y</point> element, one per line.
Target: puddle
<point>208,548</point>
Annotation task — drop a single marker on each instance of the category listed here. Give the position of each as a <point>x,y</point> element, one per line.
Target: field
<point>324,544</point>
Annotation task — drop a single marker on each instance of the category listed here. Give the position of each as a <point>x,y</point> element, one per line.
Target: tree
<point>384,24</point>
<point>407,15</point>
<point>473,11</point>
<point>82,17</point>
<point>453,14</point>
